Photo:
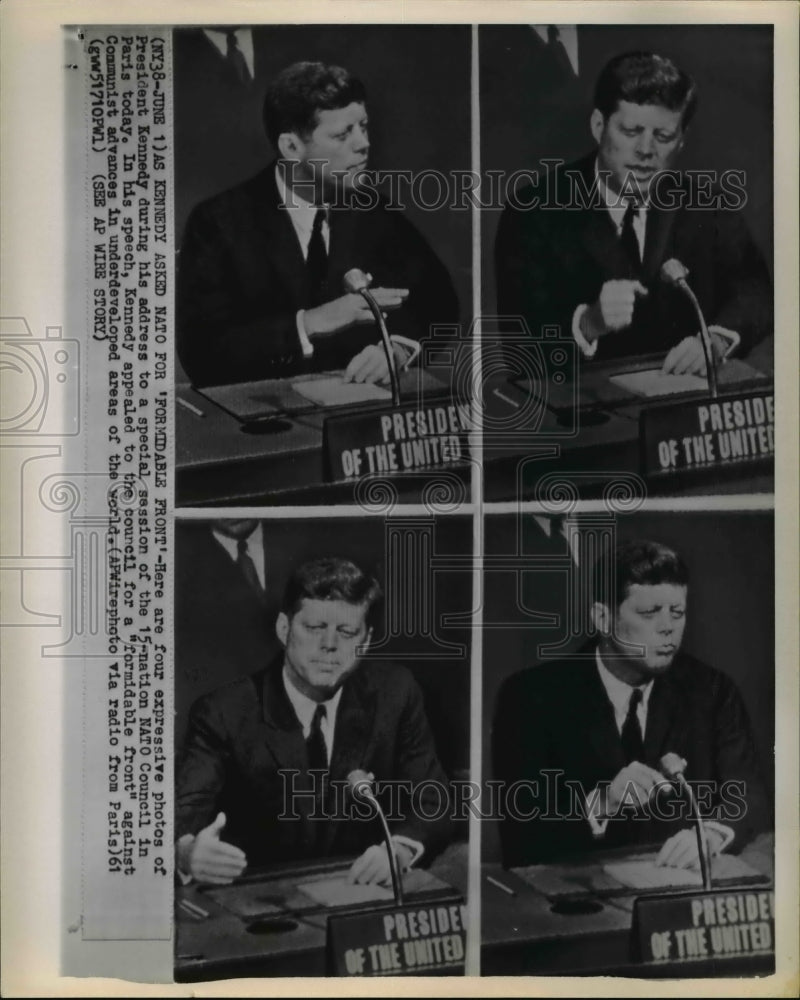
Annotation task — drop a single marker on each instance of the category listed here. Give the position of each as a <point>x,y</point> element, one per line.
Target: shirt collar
<point>244,36</point>
<point>231,545</point>
<point>303,212</point>
<point>305,707</point>
<point>619,693</point>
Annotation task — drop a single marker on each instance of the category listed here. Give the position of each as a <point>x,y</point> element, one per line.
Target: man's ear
<point>290,146</point>
<point>601,618</point>
<point>597,124</point>
<point>282,628</point>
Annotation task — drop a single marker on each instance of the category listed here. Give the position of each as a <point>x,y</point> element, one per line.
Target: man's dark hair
<point>645,78</point>
<point>642,562</point>
<point>301,90</point>
<point>332,579</point>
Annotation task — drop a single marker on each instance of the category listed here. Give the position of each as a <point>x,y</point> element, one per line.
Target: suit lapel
<point>283,733</point>
<point>280,243</point>
<point>594,714</point>
<point>665,720</point>
<point>355,726</point>
<point>659,229</point>
<point>343,224</point>
<point>603,245</point>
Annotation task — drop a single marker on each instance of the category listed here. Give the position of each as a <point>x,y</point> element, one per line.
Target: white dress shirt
<point>305,708</point>
<point>302,214</point>
<point>619,694</point>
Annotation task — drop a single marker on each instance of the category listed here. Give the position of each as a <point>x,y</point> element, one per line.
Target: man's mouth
<point>665,650</point>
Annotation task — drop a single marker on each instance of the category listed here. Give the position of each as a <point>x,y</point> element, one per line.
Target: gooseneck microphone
<point>361,786</point>
<point>356,281</point>
<point>675,273</point>
<point>672,767</point>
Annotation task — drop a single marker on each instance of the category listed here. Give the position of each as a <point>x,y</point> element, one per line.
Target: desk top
<point>263,925</point>
<point>533,933</point>
<point>221,460</point>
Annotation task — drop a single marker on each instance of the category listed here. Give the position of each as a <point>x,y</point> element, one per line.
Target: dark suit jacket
<point>242,279</point>
<point>558,717</point>
<point>551,260</point>
<point>243,735</point>
<point>214,112</point>
<point>222,631</point>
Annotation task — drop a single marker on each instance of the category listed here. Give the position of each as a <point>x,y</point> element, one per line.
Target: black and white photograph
<point>313,164</point>
<point>399,447</point>
<point>628,744</point>
<point>629,262</point>
<point>322,713</point>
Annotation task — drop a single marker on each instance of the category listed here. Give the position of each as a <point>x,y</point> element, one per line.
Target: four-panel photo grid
<point>474,542</point>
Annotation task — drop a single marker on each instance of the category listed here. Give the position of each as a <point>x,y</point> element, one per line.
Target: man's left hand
<point>680,850</point>
<point>370,365</point>
<point>373,865</point>
<point>688,358</point>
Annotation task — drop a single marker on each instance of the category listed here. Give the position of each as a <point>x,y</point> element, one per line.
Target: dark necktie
<point>558,51</point>
<point>317,761</point>
<point>235,58</point>
<point>317,260</point>
<point>315,742</point>
<point>248,567</point>
<point>630,243</point>
<point>631,735</point>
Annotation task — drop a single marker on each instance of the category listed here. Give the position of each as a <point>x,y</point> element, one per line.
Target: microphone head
<point>360,783</point>
<point>672,271</point>
<point>355,280</point>
<point>672,766</point>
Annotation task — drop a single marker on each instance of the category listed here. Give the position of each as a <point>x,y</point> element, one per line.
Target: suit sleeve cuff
<point>181,847</point>
<point>411,347</point>
<point>594,813</point>
<point>587,350</point>
<point>731,336</point>
<point>413,845</point>
<point>305,344</point>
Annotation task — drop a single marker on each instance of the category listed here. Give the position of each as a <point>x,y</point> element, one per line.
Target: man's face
<point>636,142</point>
<point>340,140</point>
<point>652,616</point>
<point>321,639</point>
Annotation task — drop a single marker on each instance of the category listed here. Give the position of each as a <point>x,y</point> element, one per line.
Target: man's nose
<point>666,624</point>
<point>645,145</point>
<point>330,639</point>
<point>360,139</point>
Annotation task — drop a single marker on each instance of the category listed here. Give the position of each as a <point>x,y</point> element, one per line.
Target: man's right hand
<point>632,787</point>
<point>613,309</point>
<point>209,859</point>
<point>331,317</point>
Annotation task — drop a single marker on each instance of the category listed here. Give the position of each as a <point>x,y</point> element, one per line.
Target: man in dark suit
<point>263,775</point>
<point>222,631</point>
<point>260,280</point>
<point>584,249</point>
<point>582,740</point>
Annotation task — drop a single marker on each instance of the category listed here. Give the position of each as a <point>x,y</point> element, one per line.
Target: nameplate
<point>712,434</point>
<point>387,441</point>
<point>697,926</point>
<point>399,941</point>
